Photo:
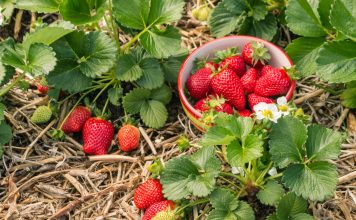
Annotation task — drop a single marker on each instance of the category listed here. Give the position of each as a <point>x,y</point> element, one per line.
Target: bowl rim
<point>184,99</point>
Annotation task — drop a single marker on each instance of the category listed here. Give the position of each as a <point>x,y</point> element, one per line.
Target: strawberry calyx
<point>292,72</point>
<point>223,54</point>
<point>259,53</point>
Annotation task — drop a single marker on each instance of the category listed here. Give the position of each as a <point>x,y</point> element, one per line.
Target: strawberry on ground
<point>276,82</point>
<point>248,80</point>
<point>42,89</point>
<point>255,54</point>
<point>254,99</point>
<point>128,137</point>
<point>97,136</point>
<point>198,84</point>
<point>148,193</point>
<point>76,119</point>
<point>41,115</point>
<point>230,58</point>
<point>154,209</point>
<point>245,113</point>
<point>227,84</point>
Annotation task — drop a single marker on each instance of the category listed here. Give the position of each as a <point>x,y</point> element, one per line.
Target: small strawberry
<point>42,86</point>
<point>128,137</point>
<point>230,59</point>
<point>248,80</point>
<point>245,113</point>
<point>274,83</point>
<point>76,119</point>
<point>97,136</point>
<point>41,115</point>
<point>254,99</point>
<point>198,84</point>
<point>201,13</point>
<point>148,193</point>
<point>227,84</point>
<point>255,54</point>
<point>156,208</point>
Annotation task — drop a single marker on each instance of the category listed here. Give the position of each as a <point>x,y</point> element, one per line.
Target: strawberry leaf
<point>43,6</point>
<point>5,133</point>
<point>348,96</point>
<point>153,76</point>
<point>343,17</point>
<point>240,153</point>
<point>135,99</point>
<point>315,181</point>
<point>291,205</point>
<point>271,193</point>
<point>217,136</point>
<point>302,216</point>
<point>286,141</point>
<point>154,113</point>
<point>6,73</point>
<point>132,14</point>
<point>82,11</point>
<point>303,18</point>
<point>2,109</point>
<point>128,68</point>
<point>162,94</point>
<point>114,95</point>
<point>171,67</point>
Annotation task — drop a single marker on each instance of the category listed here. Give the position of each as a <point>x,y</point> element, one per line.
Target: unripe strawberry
<point>128,137</point>
<point>41,115</point>
<point>97,136</point>
<point>76,119</point>
<point>202,13</point>
<point>156,208</point>
<point>148,193</point>
<point>165,215</point>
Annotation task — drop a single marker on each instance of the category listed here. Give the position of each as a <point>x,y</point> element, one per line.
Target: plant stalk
<point>10,86</point>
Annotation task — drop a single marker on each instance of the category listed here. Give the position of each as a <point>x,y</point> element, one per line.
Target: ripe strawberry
<point>97,136</point>
<point>148,193</point>
<point>156,208</point>
<point>215,102</point>
<point>76,119</point>
<point>255,54</point>
<point>128,137</point>
<point>254,99</point>
<point>41,115</point>
<point>264,70</point>
<point>245,113</point>
<point>42,86</point>
<point>198,84</point>
<point>227,84</point>
<point>201,105</point>
<point>248,80</point>
<point>275,82</point>
<point>230,59</point>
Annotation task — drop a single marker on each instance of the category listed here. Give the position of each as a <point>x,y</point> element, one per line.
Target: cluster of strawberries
<point>149,196</point>
<point>99,133</point>
<point>232,81</point>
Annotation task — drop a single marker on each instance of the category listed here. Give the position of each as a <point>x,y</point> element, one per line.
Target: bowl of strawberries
<point>232,74</point>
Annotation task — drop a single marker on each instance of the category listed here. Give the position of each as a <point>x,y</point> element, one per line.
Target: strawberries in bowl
<point>239,72</point>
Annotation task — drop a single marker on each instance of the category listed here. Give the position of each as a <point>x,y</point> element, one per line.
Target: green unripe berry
<point>41,115</point>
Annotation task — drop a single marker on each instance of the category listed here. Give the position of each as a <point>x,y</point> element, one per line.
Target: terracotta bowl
<point>278,59</point>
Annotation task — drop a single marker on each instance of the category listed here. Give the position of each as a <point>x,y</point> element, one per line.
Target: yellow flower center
<point>267,113</point>
<point>283,108</point>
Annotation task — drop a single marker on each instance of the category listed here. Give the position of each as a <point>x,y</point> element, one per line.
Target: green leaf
<point>162,94</point>
<point>303,18</point>
<point>152,77</point>
<point>348,98</point>
<point>291,205</point>
<point>241,127</point>
<point>343,17</point>
<point>171,68</point>
<point>250,149</point>
<point>302,216</point>
<point>135,99</point>
<point>236,6</point>
<point>7,10</point>
<point>114,95</point>
<point>201,185</point>
<point>304,52</point>
<point>49,34</point>
<point>286,141</point>
<point>315,181</point>
<point>217,136</point>
<point>6,73</point>
<point>323,143</point>
<point>271,193</point>
<point>1,151</point>
<point>244,211</point>
<point>272,217</point>
<point>259,10</point>
<point>205,160</point>
<point>265,29</point>
<point>43,6</point>
<point>5,133</point>
<point>2,109</point>
<point>162,43</point>
<point>165,11</point>
<point>336,62</point>
<point>128,68</point>
<point>223,199</point>
<point>41,59</point>
<point>324,8</point>
<point>82,11</point>
<point>132,14</point>
<point>154,114</point>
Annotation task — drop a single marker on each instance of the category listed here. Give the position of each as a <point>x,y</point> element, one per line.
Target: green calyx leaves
<point>242,17</point>
<point>150,104</point>
<point>191,175</point>
<point>305,151</point>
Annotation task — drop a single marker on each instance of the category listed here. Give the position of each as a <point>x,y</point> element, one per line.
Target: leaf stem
<point>105,107</point>
<point>230,182</point>
<point>10,86</point>
<point>274,177</point>
<point>103,89</point>
<point>233,175</point>
<point>113,26</point>
<point>200,201</point>
<point>263,174</point>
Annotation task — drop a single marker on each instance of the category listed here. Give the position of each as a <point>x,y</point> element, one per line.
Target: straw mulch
<point>41,178</point>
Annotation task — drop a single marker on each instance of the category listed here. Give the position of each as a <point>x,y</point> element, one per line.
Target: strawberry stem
<point>200,201</point>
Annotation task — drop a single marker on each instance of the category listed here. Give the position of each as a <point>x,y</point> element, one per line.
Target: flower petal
<point>282,100</point>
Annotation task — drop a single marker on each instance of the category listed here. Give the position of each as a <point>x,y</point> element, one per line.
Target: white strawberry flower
<point>2,18</point>
<point>268,111</point>
<point>283,105</point>
<point>272,171</point>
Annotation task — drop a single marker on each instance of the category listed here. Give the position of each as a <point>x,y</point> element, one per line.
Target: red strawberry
<point>76,119</point>
<point>245,113</point>
<point>254,99</point>
<point>236,63</point>
<point>42,89</point>
<point>264,70</point>
<point>225,108</point>
<point>227,84</point>
<point>198,84</point>
<point>201,105</point>
<point>255,54</point>
<point>248,80</point>
<point>148,193</point>
<point>154,209</point>
<point>97,136</point>
<point>213,101</point>
<point>128,137</point>
<point>275,82</point>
